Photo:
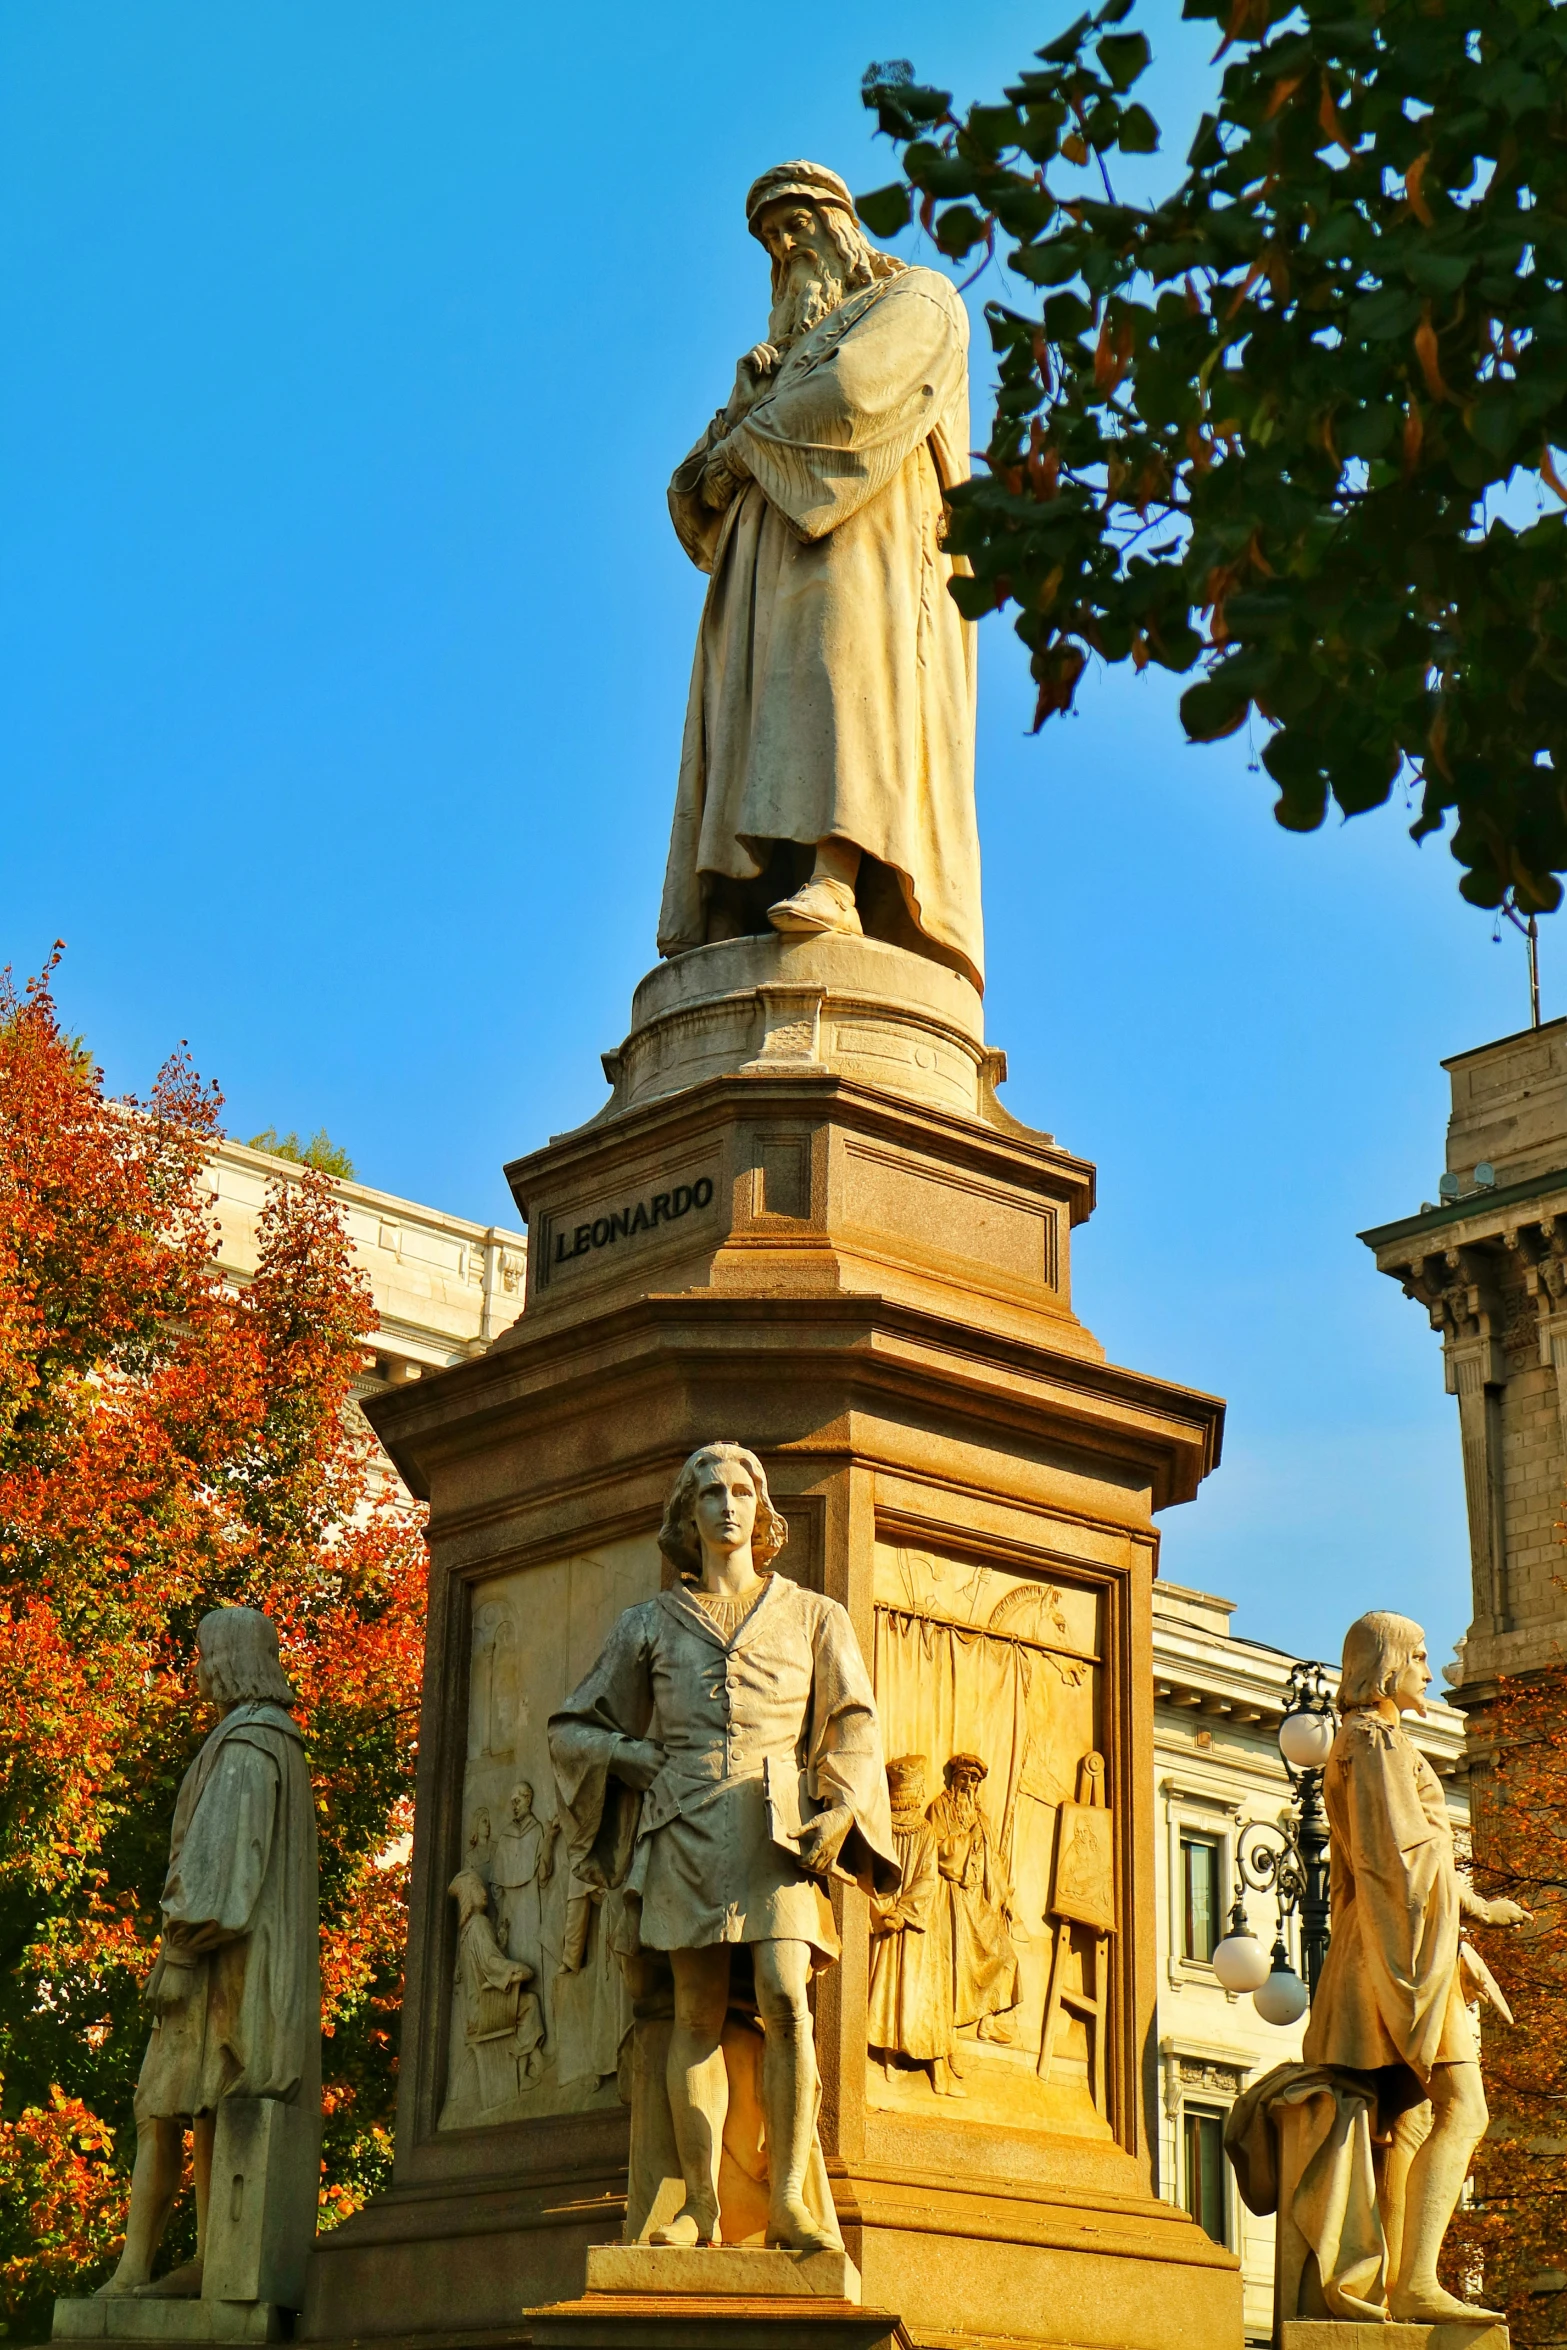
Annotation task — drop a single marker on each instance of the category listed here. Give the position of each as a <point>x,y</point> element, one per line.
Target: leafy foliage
<point>167,1446</point>
<point>320,1152</point>
<point>1260,427</point>
<point>1515,2230</point>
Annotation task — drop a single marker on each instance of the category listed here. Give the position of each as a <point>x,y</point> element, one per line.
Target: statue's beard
<point>808,294</point>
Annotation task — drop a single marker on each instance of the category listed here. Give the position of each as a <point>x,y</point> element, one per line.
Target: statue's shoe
<point>794,2230</point>
<point>1430,2306</point>
<point>687,2230</point>
<point>181,2284</point>
<point>820,906</point>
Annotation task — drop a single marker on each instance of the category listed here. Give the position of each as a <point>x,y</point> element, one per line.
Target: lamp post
<point>1288,1859</point>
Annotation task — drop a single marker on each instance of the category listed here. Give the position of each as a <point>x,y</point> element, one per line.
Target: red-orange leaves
<point>169,1444</point>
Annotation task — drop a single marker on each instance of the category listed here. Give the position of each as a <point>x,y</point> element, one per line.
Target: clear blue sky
<point>344,643</point>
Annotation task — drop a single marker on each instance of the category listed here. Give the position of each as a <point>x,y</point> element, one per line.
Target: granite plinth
<point>744,2269</point>
<point>1322,2333</point>
<point>124,2317</point>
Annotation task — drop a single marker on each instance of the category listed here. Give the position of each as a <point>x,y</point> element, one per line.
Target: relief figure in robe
<point>520,1869</point>
<point>503,2026</point>
<point>720,1759</point>
<point>909,2013</point>
<point>235,1994</point>
<point>975,1904</point>
<point>827,770</point>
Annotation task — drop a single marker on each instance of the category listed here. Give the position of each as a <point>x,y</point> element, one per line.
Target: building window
<point>1200,1928</point>
<point>1202,2141</point>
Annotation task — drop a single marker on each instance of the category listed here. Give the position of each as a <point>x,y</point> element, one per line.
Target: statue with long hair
<point>721,1758</point>
<point>1393,2000</point>
<point>827,770</point>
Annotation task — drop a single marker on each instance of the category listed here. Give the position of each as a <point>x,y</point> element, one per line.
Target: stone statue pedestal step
<point>125,2317</point>
<point>729,2268</point>
<point>647,2297</point>
<point>1325,2333</point>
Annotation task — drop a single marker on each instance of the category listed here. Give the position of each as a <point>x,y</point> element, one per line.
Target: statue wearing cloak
<point>237,1986</point>
<point>833,689</point>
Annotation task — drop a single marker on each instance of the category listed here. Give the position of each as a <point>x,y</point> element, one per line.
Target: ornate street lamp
<point>1294,1868</point>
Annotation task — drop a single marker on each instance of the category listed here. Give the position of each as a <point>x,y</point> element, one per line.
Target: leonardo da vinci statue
<point>718,1763</point>
<point>827,771</point>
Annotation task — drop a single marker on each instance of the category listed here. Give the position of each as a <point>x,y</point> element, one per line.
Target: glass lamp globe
<point>1283,1998</point>
<point>1239,1962</point>
<point>1306,1740</point>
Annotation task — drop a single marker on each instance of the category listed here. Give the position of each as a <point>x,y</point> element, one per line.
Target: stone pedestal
<point>1313,2333</point>
<point>855,1262</point>
<point>122,2318</point>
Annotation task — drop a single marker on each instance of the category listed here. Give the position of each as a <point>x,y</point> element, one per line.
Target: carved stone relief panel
<point>991,1973</point>
<point>539,2007</point>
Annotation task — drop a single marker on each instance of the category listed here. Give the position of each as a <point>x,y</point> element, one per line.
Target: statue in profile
<point>719,1761</point>
<point>235,2049</point>
<point>827,770</point>
<point>1364,2146</point>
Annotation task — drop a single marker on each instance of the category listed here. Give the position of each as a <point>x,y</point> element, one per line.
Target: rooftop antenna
<point>1531,933</point>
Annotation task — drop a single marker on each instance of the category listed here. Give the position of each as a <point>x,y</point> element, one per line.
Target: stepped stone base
<point>124,2318</point>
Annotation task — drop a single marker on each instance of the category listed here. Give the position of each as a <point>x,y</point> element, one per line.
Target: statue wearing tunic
<point>831,714</point>
<point>721,1756</point>
<point>1364,2146</point>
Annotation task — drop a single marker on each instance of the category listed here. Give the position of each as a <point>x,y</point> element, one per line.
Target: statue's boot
<point>821,906</point>
<point>687,2229</point>
<point>181,2284</point>
<point>789,2101</point>
<point>1422,2302</point>
<point>944,2078</point>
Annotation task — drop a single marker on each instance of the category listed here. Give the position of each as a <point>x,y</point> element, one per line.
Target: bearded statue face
<point>808,279</point>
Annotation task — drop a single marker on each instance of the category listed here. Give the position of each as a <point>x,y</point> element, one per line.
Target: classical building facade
<point>1218,1703</point>
<point>1488,1261</point>
<point>442,1287</point>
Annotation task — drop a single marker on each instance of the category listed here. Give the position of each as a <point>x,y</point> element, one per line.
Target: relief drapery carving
<point>990,1972</point>
<point>539,2003</point>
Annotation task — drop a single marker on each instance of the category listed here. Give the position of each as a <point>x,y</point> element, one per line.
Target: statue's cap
<point>813,181</point>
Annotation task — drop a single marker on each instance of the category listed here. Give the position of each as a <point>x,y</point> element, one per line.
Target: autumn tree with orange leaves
<point>168,1445</point>
<point>1511,2238</point>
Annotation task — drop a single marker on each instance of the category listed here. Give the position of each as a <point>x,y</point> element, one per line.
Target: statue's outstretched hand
<point>1507,1913</point>
<point>821,1839</point>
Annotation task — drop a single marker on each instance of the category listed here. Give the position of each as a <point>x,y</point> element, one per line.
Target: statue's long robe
<point>778,1719</point>
<point>833,688</point>
<point>1391,1991</point>
<point>240,1900</point>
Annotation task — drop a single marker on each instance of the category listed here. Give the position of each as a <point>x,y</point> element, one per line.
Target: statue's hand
<point>722,477</point>
<point>821,1839</point>
<point>1507,1913</point>
<point>751,374</point>
<point>169,1985</point>
<point>638,1761</point>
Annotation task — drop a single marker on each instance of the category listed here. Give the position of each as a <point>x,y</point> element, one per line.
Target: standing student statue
<point>827,770</point>
<point>235,1994</point>
<point>1393,1997</point>
<point>720,1759</point>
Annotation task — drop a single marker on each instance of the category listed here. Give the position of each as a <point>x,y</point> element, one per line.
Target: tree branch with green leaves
<point>1261,430</point>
